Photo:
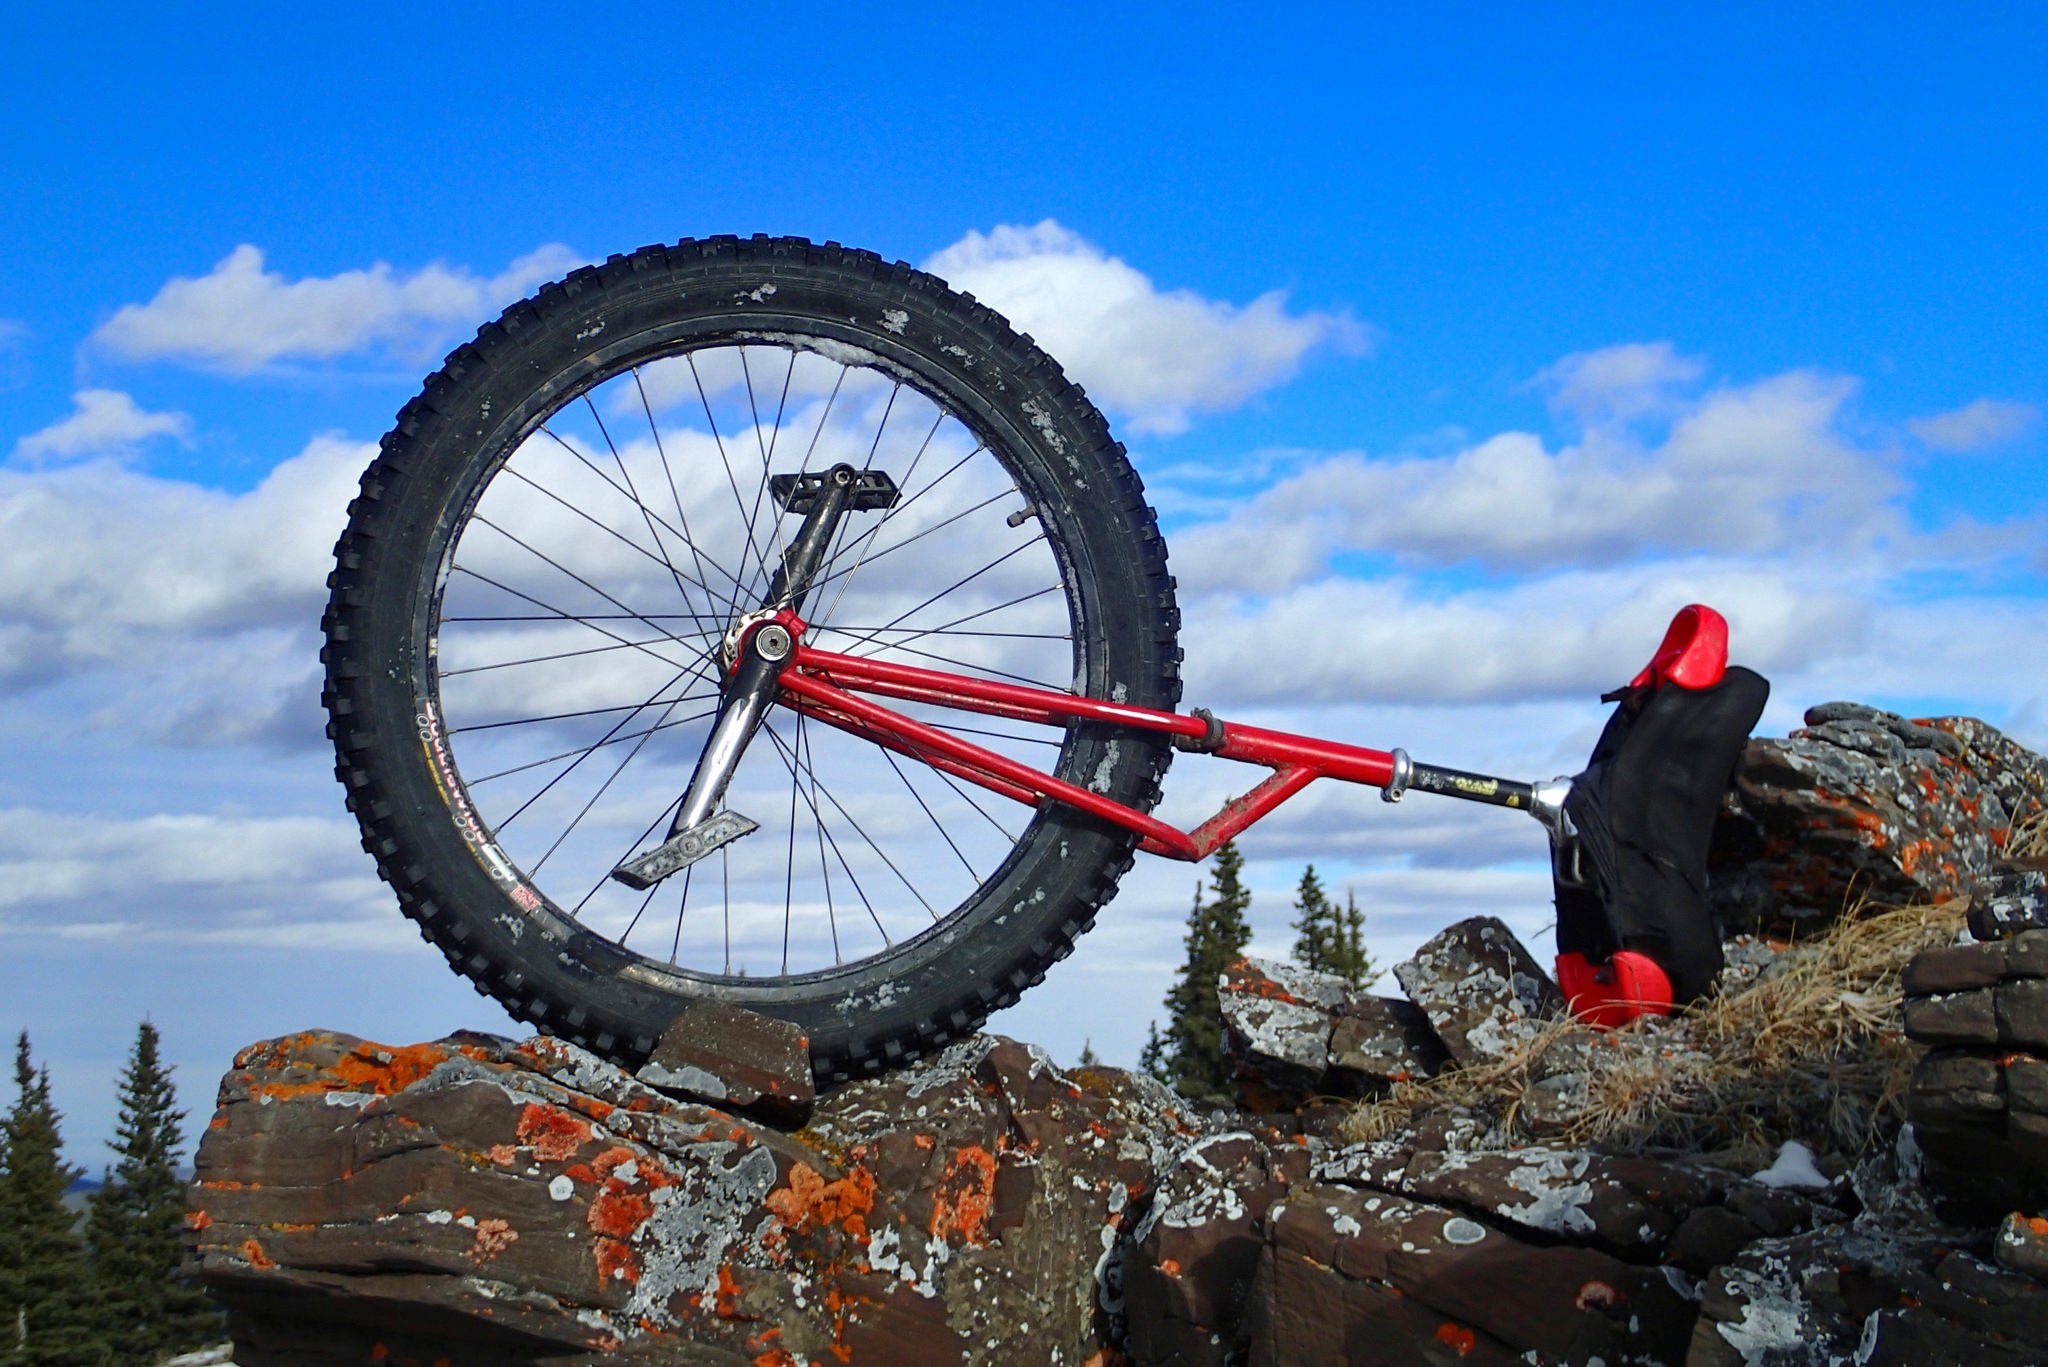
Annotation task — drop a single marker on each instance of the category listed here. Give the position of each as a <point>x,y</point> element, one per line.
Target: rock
<point>1981,1117</point>
<point>1879,1300</point>
<point>2022,1245</point>
<point>1358,1277</point>
<point>1483,993</point>
<point>522,1203</point>
<point>1296,1034</point>
<point>2013,899</point>
<point>1189,1275</point>
<point>1868,803</point>
<point>737,1060</point>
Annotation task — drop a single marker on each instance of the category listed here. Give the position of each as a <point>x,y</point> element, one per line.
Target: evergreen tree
<point>1359,966</point>
<point>1192,1059</point>
<point>46,1319</point>
<point>1088,1058</point>
<point>137,1219</point>
<point>1152,1058</point>
<point>1318,933</point>
<point>1330,939</point>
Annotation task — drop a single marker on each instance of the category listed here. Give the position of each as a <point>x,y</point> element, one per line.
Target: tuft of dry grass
<point>2029,838</point>
<point>1811,1050</point>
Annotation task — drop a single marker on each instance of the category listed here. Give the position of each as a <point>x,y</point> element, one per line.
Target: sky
<point>1457,347</point>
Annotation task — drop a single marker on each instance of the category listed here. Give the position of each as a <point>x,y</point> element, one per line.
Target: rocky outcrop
<point>1295,1034</point>
<point>476,1200</point>
<point>480,1201</point>
<point>1865,803</point>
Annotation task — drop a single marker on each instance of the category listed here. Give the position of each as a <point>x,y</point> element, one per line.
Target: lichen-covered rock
<point>1848,1295</point>
<point>1483,993</point>
<point>1356,1276</point>
<point>1195,1251</point>
<point>2022,1245</point>
<point>2012,899</point>
<point>483,1201</point>
<point>1867,803</point>
<point>736,1060</point>
<point>1295,1034</point>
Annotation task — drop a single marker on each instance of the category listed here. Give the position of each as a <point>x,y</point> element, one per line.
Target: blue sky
<point>1495,333</point>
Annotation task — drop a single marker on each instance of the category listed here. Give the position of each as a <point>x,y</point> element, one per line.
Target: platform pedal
<point>684,848</point>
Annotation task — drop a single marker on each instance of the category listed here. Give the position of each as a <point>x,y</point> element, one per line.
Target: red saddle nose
<point>1605,995</point>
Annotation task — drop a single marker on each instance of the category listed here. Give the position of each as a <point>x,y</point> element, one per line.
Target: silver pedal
<point>684,848</point>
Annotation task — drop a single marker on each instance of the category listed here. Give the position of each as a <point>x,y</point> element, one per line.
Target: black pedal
<point>796,493</point>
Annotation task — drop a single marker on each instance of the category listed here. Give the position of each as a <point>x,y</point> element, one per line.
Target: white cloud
<point>1159,357</point>
<point>1631,380</point>
<point>1762,467</point>
<point>1979,423</point>
<point>103,422</point>
<point>241,317</point>
<point>112,566</point>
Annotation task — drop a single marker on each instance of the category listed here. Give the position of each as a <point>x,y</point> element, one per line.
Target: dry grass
<point>2029,838</point>
<point>1811,1051</point>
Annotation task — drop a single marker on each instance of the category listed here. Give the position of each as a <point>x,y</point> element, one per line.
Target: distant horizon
<point>1456,350</point>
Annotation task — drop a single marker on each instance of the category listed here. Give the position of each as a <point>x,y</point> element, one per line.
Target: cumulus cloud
<point>1979,423</point>
<point>106,564</point>
<point>1632,380</point>
<point>103,422</point>
<point>241,317</point>
<point>1158,357</point>
<point>1759,468</point>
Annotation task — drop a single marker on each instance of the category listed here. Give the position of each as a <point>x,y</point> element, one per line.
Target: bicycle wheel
<point>554,540</point>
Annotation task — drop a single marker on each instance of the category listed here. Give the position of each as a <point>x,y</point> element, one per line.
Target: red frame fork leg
<point>828,687</point>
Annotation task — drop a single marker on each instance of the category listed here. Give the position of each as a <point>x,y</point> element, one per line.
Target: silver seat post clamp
<point>1397,786</point>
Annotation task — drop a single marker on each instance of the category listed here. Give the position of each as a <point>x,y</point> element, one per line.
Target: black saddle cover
<point>1644,809</point>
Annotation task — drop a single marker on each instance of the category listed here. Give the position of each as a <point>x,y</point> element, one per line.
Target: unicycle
<point>760,621</point>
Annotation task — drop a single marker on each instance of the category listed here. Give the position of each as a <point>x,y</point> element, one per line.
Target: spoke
<point>867,542</point>
<point>754,556</point>
<point>955,587</point>
<point>878,648</point>
<point>912,540</point>
<point>866,839</point>
<point>668,472</point>
<point>818,821</point>
<point>645,902</point>
<point>968,797</point>
<point>567,655</point>
<point>682,536</point>
<point>615,740</point>
<point>638,745</point>
<point>646,514</point>
<point>952,628</point>
<point>545,559</point>
<point>617,726</point>
<point>937,824</point>
<point>617,535</point>
<point>675,945</point>
<point>660,818</point>
<point>559,716</point>
<point>594,617</point>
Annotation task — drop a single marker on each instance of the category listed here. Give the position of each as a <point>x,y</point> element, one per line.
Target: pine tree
<point>46,1320</point>
<point>1192,1060</point>
<point>1330,939</point>
<point>1152,1058</point>
<point>1359,968</point>
<point>1318,937</point>
<point>1088,1058</point>
<point>136,1220</point>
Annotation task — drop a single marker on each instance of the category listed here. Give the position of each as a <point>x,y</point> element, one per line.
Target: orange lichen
<point>1597,1295</point>
<point>1456,1337</point>
<point>367,1067</point>
<point>550,1132</point>
<point>2037,1225</point>
<point>616,1260</point>
<point>618,1212</point>
<point>253,1254</point>
<point>492,1238</point>
<point>196,1220</point>
<point>810,1200</point>
<point>964,1196</point>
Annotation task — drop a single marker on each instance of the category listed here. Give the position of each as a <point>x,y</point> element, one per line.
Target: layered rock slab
<point>479,1200</point>
<point>1864,802</point>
